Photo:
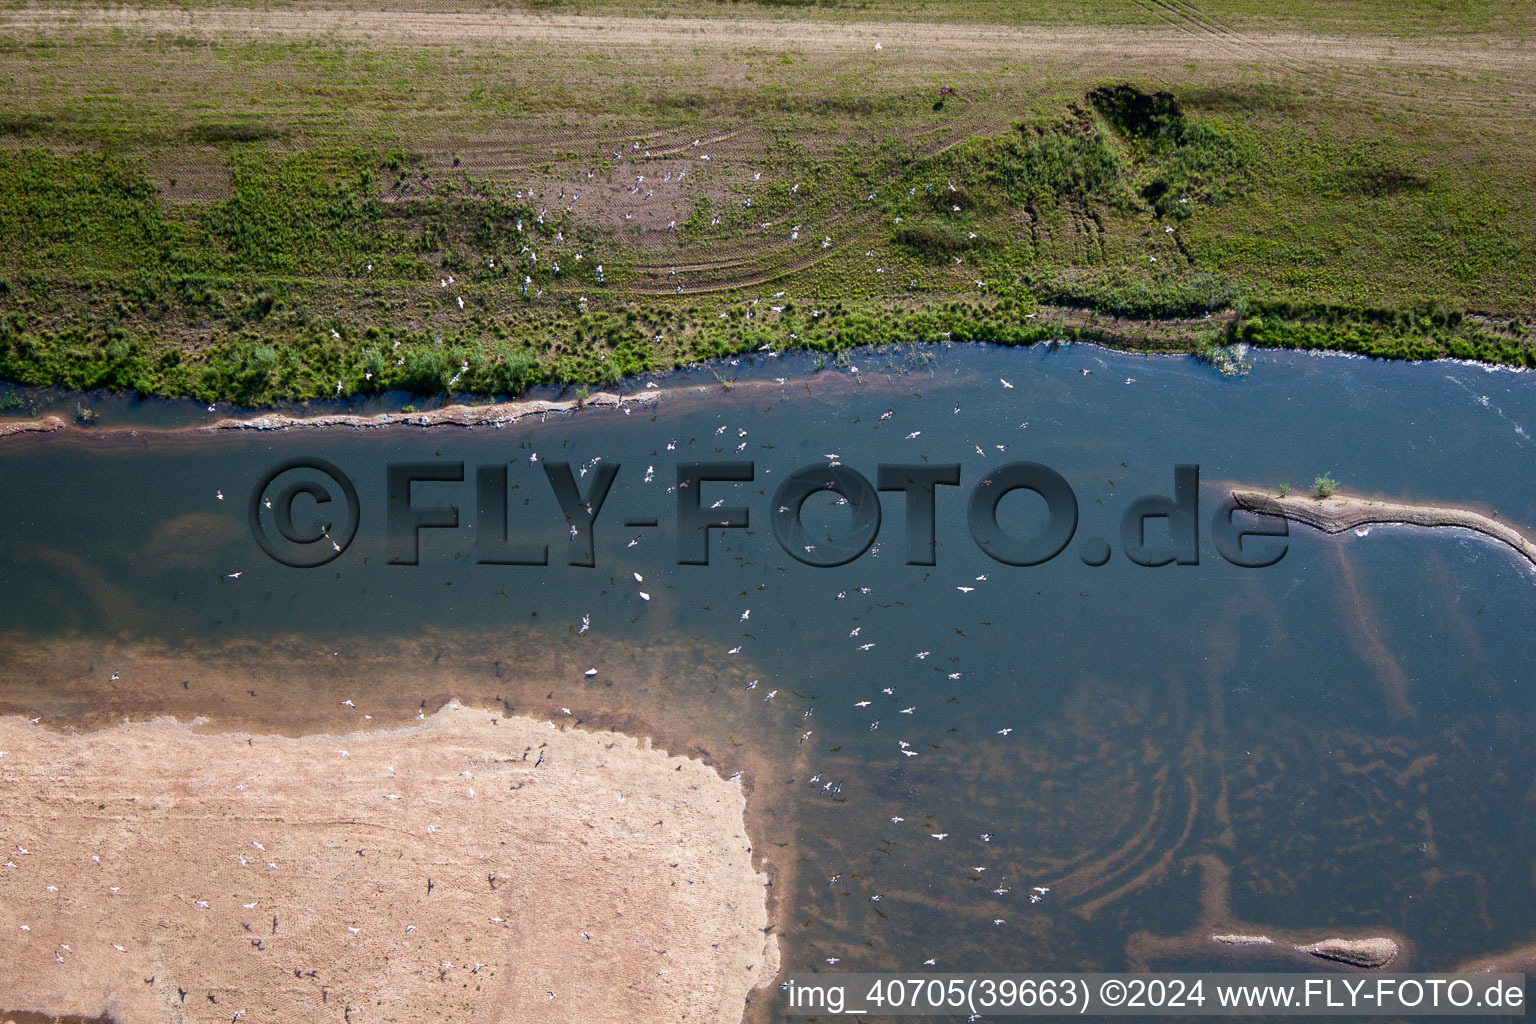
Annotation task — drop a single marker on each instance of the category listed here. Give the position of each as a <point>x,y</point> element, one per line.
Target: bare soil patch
<point>471,863</point>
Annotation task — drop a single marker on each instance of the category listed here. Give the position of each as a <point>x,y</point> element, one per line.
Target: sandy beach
<point>506,868</point>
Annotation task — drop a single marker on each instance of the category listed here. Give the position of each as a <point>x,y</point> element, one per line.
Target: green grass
<point>259,221</point>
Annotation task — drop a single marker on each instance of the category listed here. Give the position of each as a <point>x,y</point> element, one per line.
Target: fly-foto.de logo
<point>304,513</point>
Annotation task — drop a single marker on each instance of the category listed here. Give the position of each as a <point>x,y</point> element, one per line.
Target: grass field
<point>279,202</point>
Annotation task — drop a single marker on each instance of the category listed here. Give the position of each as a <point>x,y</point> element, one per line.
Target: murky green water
<point>1348,732</point>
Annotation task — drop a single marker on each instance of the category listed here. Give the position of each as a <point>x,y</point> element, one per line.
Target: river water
<point>1338,743</point>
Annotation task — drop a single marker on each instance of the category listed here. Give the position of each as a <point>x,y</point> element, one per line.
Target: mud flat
<point>1339,513</point>
<point>472,866</point>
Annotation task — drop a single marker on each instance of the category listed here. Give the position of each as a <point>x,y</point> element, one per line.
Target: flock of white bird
<point>881,706</point>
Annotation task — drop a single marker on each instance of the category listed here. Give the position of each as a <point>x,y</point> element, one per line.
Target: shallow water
<point>1346,731</point>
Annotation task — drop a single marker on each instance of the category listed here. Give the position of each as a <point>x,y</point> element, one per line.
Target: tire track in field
<point>960,42</point>
<point>1339,78</point>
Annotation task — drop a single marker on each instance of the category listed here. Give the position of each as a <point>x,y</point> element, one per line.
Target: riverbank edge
<point>492,415</point>
<point>484,410</point>
<point>1472,338</point>
<point>497,414</point>
<point>1338,513</point>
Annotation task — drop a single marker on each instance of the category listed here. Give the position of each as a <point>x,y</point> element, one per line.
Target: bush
<point>374,367</point>
<point>1324,486</point>
<point>1135,113</point>
<point>511,372</point>
<point>427,372</point>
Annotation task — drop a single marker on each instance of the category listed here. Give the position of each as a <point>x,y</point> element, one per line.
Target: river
<point>1335,743</point>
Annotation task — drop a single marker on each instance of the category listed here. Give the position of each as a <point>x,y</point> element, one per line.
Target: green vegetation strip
<point>1125,215</point>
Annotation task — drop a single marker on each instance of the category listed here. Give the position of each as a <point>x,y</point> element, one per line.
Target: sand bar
<point>448,415</point>
<point>1339,513</point>
<point>287,879</point>
<point>43,425</point>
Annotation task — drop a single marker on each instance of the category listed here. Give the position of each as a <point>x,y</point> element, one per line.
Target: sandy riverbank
<point>43,425</point>
<point>497,414</point>
<point>586,865</point>
<point>489,415</point>
<point>1340,512</point>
